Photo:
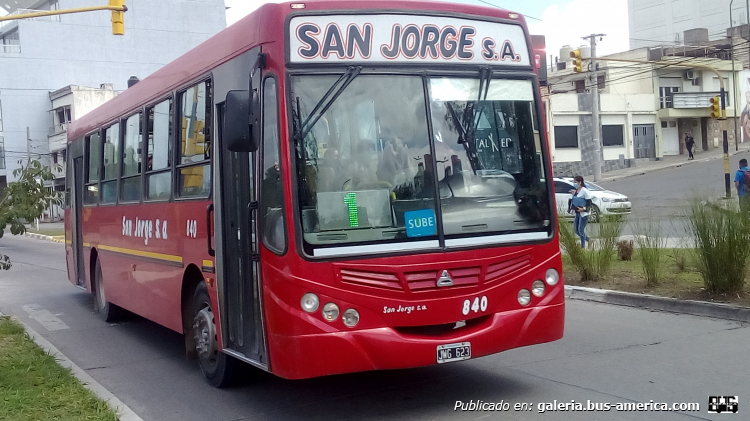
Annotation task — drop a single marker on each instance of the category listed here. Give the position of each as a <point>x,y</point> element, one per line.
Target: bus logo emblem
<point>445,279</point>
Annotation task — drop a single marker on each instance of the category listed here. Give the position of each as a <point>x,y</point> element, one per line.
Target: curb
<point>56,239</point>
<point>123,411</point>
<point>671,166</point>
<point>653,302</point>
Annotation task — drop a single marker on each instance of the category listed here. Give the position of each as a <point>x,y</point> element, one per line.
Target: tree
<point>24,200</point>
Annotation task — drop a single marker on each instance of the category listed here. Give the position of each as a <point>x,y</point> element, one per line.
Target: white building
<point>39,56</point>
<point>645,109</point>
<point>655,22</point>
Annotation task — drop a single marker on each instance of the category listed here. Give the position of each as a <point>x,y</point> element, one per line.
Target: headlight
<point>330,312</point>
<point>551,276</point>
<point>350,317</point>
<point>537,288</point>
<point>524,297</point>
<point>309,302</point>
<point>605,199</point>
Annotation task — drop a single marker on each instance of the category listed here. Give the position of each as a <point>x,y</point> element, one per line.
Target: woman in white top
<point>581,202</point>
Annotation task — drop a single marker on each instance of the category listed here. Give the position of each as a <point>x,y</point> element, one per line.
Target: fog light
<point>309,302</point>
<point>350,317</point>
<point>330,312</point>
<point>537,288</point>
<point>524,297</point>
<point>552,276</point>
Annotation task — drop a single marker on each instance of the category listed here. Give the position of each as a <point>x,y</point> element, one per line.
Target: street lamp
<point>734,74</point>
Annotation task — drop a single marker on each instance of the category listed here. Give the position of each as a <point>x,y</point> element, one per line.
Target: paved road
<point>609,354</point>
<point>663,195</point>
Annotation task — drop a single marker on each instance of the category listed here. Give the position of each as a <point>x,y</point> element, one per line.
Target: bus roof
<point>261,26</point>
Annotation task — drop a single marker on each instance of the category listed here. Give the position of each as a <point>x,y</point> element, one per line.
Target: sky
<point>563,22</point>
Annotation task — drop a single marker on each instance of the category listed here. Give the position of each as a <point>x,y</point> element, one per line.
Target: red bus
<point>327,187</point>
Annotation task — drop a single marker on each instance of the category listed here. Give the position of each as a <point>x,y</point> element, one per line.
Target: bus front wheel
<point>217,367</point>
<point>107,311</point>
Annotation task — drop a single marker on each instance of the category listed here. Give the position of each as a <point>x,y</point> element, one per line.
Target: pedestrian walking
<point>689,143</point>
<point>741,185</point>
<point>580,204</point>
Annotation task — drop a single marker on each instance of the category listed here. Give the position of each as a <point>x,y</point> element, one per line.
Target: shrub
<point>579,257</point>
<point>722,245</point>
<point>594,263</point>
<point>625,250</point>
<point>650,243</point>
<point>680,258</point>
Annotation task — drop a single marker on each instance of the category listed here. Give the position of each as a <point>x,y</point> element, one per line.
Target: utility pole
<point>594,83</point>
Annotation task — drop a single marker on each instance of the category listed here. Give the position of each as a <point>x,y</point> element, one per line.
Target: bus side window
<point>159,151</point>
<point>130,185</point>
<point>111,163</point>
<point>195,142</point>
<point>93,168</point>
<point>272,193</point>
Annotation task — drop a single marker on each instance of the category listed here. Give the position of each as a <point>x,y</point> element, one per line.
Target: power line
<point>499,7</point>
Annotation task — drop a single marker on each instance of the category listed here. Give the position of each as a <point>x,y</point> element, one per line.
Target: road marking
<point>45,318</point>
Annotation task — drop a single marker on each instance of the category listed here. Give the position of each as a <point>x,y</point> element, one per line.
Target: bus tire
<point>106,310</point>
<point>217,367</point>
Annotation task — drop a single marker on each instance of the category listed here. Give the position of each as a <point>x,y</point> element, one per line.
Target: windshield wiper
<point>467,127</point>
<point>303,128</point>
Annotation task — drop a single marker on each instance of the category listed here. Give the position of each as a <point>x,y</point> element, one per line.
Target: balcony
<point>695,99</point>
<point>58,128</point>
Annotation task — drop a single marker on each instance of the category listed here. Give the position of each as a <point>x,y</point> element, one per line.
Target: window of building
<point>663,124</point>
<point>93,168</point>
<point>272,195</point>
<point>130,186</point>
<point>111,163</point>
<point>666,96</point>
<point>159,152</point>
<point>566,137</point>
<point>612,135</point>
<point>194,164</point>
<point>64,156</point>
<point>54,157</point>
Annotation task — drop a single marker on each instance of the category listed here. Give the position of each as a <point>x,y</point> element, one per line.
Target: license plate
<point>453,352</point>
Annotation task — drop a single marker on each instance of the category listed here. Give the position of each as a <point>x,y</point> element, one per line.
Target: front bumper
<point>304,356</point>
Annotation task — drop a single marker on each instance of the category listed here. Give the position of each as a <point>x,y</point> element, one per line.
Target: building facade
<point>39,56</point>
<point>657,22</point>
<point>645,109</point>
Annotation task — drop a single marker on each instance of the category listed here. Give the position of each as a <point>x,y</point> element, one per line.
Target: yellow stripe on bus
<point>85,244</point>
<point>208,263</point>
<point>139,253</point>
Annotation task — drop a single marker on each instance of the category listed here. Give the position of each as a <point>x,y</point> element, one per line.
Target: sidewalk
<point>674,161</point>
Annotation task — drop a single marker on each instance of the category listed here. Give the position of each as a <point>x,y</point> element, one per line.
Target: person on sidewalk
<point>689,143</point>
<point>580,203</point>
<point>739,183</point>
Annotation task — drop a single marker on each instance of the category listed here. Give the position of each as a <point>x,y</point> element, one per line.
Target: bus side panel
<point>143,261</point>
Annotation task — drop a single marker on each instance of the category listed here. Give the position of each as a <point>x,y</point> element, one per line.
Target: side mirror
<point>237,129</point>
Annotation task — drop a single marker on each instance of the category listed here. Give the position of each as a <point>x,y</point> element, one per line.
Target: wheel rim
<point>204,332</point>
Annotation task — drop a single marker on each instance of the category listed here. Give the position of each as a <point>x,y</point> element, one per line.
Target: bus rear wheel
<point>217,367</point>
<point>106,310</point>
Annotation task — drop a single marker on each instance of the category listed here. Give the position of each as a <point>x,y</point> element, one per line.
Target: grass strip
<point>681,278</point>
<point>33,387</point>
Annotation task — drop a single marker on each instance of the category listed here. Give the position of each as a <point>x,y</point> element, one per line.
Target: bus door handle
<point>209,231</point>
<point>252,208</point>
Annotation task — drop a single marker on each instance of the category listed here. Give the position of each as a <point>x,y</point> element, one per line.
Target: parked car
<point>603,202</point>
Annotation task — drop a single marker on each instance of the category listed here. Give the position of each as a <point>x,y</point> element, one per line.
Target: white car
<point>603,202</point>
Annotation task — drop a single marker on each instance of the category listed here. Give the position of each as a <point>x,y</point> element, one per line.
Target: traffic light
<point>577,60</point>
<point>118,18</point>
<point>715,107</point>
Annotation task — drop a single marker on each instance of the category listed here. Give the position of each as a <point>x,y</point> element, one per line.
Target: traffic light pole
<point>597,129</point>
<point>111,7</point>
<point>727,176</point>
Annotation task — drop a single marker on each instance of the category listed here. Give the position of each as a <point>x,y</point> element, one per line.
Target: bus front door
<point>241,292</point>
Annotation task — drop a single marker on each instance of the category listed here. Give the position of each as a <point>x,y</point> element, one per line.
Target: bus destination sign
<point>405,39</point>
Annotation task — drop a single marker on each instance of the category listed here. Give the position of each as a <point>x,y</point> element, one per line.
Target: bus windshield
<point>368,167</point>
